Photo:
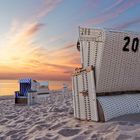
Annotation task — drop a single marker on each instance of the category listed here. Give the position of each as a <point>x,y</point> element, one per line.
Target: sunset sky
<point>38,37</point>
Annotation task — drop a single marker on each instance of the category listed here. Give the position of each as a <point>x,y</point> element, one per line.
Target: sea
<point>8,87</point>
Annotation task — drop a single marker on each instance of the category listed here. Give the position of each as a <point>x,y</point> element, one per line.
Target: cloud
<point>18,44</point>
<point>47,7</point>
<point>58,66</point>
<point>19,48</point>
<point>127,24</point>
<point>68,72</point>
<point>88,5</point>
<point>27,31</point>
<point>68,47</point>
<point>91,4</point>
<point>112,12</point>
<point>33,60</point>
<point>21,56</point>
<point>64,57</point>
<point>115,5</point>
<point>33,28</point>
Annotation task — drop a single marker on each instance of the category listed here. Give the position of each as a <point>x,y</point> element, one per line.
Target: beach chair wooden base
<point>84,97</point>
<point>31,99</point>
<point>21,100</point>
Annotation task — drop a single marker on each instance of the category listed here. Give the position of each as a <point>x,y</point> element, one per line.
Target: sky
<point>38,37</point>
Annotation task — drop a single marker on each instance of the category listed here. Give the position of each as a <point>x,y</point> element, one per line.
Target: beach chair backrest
<point>25,86</point>
<point>115,56</point>
<point>89,40</point>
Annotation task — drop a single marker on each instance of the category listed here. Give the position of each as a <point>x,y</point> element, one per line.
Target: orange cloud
<point>21,57</point>
<point>17,47</point>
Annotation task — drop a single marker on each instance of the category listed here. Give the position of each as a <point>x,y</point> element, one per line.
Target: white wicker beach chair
<point>107,84</point>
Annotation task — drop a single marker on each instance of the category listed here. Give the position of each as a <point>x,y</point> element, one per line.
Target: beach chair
<point>65,88</point>
<point>108,84</point>
<point>44,84</point>
<point>44,88</point>
<point>27,93</point>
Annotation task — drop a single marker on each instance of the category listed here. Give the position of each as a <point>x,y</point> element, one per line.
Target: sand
<point>52,119</point>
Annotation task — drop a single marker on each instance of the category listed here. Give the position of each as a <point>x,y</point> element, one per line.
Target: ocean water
<point>8,87</point>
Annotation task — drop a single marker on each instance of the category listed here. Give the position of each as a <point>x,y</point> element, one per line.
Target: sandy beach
<point>52,119</point>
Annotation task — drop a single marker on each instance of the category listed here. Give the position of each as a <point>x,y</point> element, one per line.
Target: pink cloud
<point>113,6</point>
<point>34,28</point>
<point>68,47</point>
<point>58,66</point>
<point>92,3</point>
<point>47,7</point>
<point>111,13</point>
<point>89,5</point>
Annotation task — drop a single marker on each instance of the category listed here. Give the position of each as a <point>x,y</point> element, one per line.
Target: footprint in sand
<point>19,121</point>
<point>15,137</point>
<point>56,126</point>
<point>2,137</point>
<point>123,137</point>
<point>49,135</point>
<point>78,125</point>
<point>3,121</point>
<point>45,125</point>
<point>87,132</point>
<point>35,128</point>
<point>81,137</point>
<point>41,138</point>
<point>52,137</point>
<point>69,132</point>
<point>96,136</point>
<point>12,125</point>
<point>137,138</point>
<point>10,116</point>
<point>11,132</point>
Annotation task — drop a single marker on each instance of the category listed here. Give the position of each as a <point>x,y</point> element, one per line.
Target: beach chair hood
<point>25,86</point>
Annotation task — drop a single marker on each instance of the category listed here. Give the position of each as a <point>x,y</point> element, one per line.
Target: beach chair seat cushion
<point>113,106</point>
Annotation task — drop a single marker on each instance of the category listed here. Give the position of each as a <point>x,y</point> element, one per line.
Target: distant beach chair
<point>28,92</point>
<point>44,84</point>
<point>108,84</point>
<point>65,88</point>
<point>44,88</point>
